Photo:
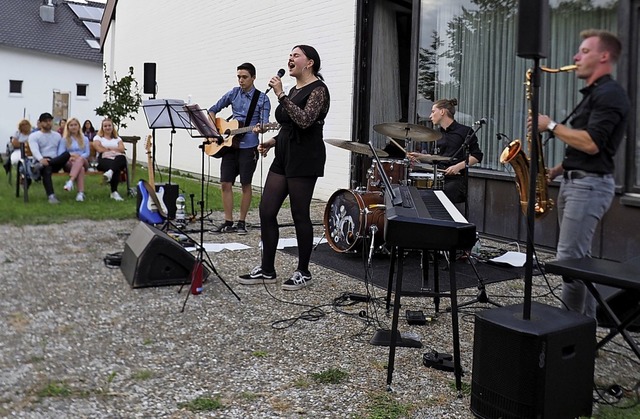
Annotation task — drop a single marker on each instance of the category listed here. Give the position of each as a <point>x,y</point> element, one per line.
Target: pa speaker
<point>536,368</point>
<point>151,259</point>
<point>150,78</point>
<point>533,28</point>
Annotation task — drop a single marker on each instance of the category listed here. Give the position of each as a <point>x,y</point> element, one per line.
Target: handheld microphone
<point>481,121</point>
<point>280,74</point>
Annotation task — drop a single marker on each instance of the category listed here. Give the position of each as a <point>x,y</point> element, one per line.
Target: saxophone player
<point>597,126</point>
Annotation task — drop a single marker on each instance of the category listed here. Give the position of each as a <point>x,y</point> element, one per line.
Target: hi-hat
<point>402,130</point>
<point>359,148</point>
<point>433,158</point>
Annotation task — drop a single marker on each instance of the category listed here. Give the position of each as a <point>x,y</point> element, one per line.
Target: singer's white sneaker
<point>297,281</point>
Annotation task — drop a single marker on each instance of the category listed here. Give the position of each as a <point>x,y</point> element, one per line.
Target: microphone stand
<point>482,292</point>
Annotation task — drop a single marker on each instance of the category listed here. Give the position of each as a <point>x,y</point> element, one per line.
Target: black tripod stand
<point>482,296</point>
<point>207,130</point>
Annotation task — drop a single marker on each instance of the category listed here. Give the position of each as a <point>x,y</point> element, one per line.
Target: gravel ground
<point>78,342</point>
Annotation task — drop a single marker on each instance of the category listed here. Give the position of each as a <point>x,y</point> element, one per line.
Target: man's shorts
<point>239,161</point>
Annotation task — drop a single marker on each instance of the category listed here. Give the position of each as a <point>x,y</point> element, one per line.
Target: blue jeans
<point>581,205</point>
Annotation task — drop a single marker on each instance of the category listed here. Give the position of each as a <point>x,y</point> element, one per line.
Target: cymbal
<point>433,159</point>
<point>402,130</point>
<point>355,147</point>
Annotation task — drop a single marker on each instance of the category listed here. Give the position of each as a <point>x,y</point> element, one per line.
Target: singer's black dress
<point>300,150</point>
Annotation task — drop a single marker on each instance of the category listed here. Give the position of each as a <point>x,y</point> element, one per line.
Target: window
<point>468,51</point>
<point>15,86</point>
<point>81,90</point>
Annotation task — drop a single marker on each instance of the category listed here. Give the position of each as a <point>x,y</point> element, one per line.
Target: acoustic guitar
<point>151,209</point>
<point>229,130</point>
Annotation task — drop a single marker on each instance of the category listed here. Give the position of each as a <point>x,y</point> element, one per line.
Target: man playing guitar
<point>251,107</point>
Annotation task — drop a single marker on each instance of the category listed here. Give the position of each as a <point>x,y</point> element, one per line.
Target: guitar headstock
<point>147,145</point>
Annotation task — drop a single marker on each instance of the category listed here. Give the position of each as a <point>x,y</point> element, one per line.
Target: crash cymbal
<point>355,147</point>
<point>402,130</point>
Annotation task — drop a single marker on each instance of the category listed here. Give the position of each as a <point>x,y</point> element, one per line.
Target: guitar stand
<point>200,262</point>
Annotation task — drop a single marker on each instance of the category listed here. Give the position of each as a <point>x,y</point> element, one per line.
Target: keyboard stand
<point>625,275</point>
<point>397,253</point>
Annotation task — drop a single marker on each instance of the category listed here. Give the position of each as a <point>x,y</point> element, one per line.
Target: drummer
<point>450,145</point>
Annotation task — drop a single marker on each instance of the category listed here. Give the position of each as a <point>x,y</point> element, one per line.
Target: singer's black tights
<point>300,191</point>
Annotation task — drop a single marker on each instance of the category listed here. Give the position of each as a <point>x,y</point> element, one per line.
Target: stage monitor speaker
<point>622,302</point>
<point>537,368</point>
<point>533,28</point>
<point>152,259</point>
<point>150,78</point>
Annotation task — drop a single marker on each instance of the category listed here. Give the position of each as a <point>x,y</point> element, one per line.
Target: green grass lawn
<point>97,205</point>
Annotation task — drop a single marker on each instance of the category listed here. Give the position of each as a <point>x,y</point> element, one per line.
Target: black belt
<point>581,174</point>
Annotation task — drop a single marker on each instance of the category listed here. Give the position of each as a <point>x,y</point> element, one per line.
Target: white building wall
<point>198,44</point>
<point>42,74</point>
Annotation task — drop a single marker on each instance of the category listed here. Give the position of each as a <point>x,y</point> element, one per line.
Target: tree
<point>122,98</point>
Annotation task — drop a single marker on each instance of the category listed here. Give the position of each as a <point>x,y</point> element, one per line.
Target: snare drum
<point>349,216</point>
<point>422,180</point>
<point>395,170</point>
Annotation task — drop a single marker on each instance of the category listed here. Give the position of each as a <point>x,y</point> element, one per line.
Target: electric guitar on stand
<point>229,130</point>
<point>151,207</point>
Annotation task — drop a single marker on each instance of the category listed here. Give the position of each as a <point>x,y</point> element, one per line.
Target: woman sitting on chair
<point>75,142</point>
<point>111,158</point>
<point>20,136</point>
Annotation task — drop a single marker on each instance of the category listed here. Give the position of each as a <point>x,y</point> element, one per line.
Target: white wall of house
<point>198,44</point>
<point>42,74</point>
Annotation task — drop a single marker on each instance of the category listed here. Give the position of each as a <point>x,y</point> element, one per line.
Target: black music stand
<point>201,126</point>
<point>165,113</point>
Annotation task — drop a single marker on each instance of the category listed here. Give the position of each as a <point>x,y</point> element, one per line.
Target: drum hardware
<point>373,229</point>
<point>402,130</point>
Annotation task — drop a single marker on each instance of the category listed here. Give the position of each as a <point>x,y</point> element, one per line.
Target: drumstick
<point>397,145</point>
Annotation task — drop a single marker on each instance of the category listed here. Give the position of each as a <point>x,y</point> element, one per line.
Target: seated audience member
<point>20,136</point>
<point>111,158</point>
<point>63,123</point>
<point>44,148</point>
<point>89,131</point>
<point>74,142</point>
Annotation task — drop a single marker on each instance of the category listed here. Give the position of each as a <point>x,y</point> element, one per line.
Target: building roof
<point>22,27</point>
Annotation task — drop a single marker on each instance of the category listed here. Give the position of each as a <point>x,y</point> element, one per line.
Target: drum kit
<point>353,215</point>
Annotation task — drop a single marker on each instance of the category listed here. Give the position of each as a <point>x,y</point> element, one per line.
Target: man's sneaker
<point>53,199</point>
<point>69,185</point>
<point>257,276</point>
<point>297,281</point>
<point>80,197</point>
<point>226,227</point>
<point>241,228</point>
<point>108,175</point>
<point>116,196</point>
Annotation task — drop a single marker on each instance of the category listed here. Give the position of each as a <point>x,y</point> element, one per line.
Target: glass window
<point>468,51</point>
<point>81,90</point>
<point>15,86</point>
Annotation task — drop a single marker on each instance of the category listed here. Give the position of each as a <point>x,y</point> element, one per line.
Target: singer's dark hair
<point>249,67</point>
<point>448,105</point>
<point>312,54</point>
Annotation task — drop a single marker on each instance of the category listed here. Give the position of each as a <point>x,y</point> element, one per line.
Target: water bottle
<point>180,206</point>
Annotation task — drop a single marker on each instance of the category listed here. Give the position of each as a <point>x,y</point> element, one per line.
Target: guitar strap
<point>252,107</point>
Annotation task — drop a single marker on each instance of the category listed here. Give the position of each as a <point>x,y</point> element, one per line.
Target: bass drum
<point>349,216</point>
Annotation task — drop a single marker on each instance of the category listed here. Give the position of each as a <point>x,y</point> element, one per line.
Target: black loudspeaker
<point>537,368</point>
<point>622,302</point>
<point>150,78</point>
<point>533,28</point>
<point>152,259</point>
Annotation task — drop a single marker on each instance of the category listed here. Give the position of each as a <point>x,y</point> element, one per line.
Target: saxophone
<point>514,155</point>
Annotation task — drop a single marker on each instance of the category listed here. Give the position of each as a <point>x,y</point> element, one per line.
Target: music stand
<point>165,113</point>
<point>198,120</point>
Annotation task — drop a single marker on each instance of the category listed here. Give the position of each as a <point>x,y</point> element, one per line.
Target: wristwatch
<point>551,125</point>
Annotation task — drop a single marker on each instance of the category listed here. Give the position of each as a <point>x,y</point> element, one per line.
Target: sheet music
<point>453,211</point>
<point>202,122</point>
